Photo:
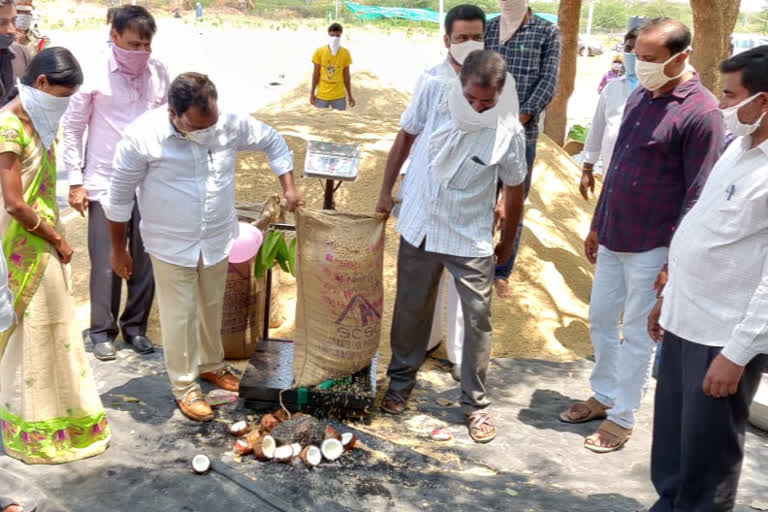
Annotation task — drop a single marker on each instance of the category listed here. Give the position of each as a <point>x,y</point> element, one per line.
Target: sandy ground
<point>546,318</point>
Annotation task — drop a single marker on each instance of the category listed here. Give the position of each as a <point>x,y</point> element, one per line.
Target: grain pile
<point>546,318</point>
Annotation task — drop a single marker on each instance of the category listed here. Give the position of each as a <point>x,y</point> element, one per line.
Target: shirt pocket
<point>470,174</point>
<point>474,169</point>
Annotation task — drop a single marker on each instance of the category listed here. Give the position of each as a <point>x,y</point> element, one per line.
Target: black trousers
<point>106,286</point>
<point>698,441</point>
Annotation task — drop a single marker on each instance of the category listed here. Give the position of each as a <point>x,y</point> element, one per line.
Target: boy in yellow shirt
<point>331,83</point>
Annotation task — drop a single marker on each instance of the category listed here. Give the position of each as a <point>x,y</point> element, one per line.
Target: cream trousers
<point>190,302</point>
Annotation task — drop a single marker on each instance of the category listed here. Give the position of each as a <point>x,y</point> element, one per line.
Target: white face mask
<point>23,21</point>
<point>651,75</point>
<point>513,13</point>
<point>734,124</point>
<point>334,43</point>
<point>44,110</point>
<point>205,137</point>
<point>460,51</point>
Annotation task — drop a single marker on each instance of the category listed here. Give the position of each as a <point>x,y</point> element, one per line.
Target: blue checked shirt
<point>533,58</point>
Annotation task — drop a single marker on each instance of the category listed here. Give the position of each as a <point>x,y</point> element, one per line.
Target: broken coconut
<point>332,433</point>
<point>348,440</point>
<point>239,428</point>
<point>312,456</point>
<point>265,449</point>
<point>305,430</point>
<point>296,447</point>
<point>253,438</point>
<point>201,464</point>
<point>284,453</point>
<point>332,449</point>
<point>267,423</point>
<point>242,447</point>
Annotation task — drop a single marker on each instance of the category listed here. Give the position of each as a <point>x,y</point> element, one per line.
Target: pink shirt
<point>105,105</point>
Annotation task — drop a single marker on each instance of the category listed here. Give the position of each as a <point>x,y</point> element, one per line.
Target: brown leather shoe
<point>195,407</point>
<point>223,378</point>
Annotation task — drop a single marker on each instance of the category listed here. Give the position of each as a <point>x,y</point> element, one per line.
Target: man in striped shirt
<point>446,219</point>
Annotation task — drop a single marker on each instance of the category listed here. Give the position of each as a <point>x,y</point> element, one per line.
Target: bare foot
<point>502,288</point>
<point>13,508</point>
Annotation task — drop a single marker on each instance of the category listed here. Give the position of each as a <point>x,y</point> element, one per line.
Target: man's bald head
<point>677,36</point>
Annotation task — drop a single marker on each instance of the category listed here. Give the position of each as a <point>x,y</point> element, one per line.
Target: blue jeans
<point>504,270</point>
<point>340,104</point>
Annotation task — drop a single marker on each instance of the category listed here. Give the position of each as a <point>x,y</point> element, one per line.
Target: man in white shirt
<point>464,32</point>
<point>127,83</point>
<point>473,139</point>
<point>713,311</point>
<point>180,162</point>
<point>606,122</point>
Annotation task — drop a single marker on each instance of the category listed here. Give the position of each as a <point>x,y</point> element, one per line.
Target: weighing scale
<point>270,369</point>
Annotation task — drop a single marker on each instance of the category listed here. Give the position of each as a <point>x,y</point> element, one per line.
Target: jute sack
<point>339,294</point>
<point>242,322</point>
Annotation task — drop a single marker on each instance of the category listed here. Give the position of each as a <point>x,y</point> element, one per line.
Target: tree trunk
<point>713,22</point>
<point>568,16</point>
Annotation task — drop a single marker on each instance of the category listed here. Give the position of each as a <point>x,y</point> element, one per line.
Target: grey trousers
<point>418,278</point>
<point>106,286</point>
<point>698,441</point>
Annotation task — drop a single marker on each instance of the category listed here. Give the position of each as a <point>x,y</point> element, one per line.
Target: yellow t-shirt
<point>331,85</point>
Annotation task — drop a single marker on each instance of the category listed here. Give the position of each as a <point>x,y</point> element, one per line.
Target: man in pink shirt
<point>130,84</point>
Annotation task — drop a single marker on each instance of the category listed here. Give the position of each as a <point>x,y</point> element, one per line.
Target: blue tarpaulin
<point>371,12</point>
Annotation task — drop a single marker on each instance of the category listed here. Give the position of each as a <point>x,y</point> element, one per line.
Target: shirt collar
<point>682,91</point>
<point>762,147</point>
<point>172,132</point>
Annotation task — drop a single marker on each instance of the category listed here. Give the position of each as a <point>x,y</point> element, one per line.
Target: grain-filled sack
<point>339,294</point>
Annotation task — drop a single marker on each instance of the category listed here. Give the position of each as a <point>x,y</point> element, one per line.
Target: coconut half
<point>296,449</point>
<point>268,447</point>
<point>201,464</point>
<point>332,449</point>
<point>312,456</point>
<point>242,447</point>
<point>348,440</point>
<point>239,428</point>
<point>283,453</point>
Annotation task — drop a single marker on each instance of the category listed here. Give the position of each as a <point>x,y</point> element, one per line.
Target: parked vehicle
<point>589,47</point>
<point>743,42</point>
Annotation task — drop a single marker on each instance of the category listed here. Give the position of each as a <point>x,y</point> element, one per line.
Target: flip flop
<point>596,412</point>
<point>611,428</point>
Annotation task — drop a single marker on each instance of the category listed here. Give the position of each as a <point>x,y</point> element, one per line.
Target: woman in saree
<point>50,410</point>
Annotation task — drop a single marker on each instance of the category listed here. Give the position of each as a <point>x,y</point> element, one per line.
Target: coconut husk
<point>304,430</point>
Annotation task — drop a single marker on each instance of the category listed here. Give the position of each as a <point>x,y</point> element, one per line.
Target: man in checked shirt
<point>531,48</point>
<point>670,138</point>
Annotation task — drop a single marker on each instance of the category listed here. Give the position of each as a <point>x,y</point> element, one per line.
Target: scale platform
<point>331,161</point>
<point>271,370</point>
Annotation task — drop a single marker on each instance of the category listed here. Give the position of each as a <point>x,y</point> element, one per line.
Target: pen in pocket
<point>477,160</point>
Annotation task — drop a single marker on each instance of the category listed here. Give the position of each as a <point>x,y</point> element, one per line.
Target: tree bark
<point>568,16</point>
<point>713,23</point>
